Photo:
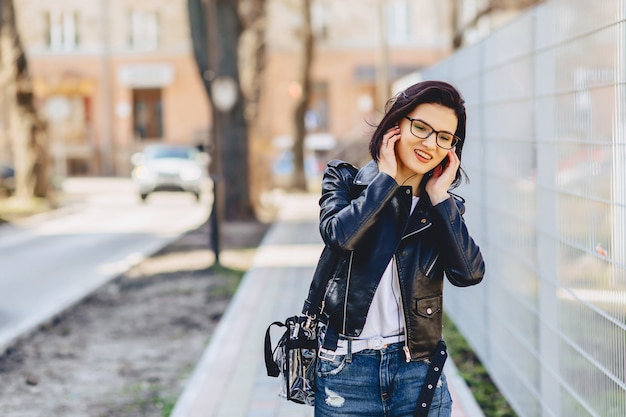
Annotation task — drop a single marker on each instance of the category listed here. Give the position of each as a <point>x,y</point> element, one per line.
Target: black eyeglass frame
<point>455,138</point>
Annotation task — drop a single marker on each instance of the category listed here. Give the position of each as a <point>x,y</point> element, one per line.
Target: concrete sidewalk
<point>230,380</point>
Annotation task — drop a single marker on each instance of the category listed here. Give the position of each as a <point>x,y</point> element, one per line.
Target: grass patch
<point>230,281</point>
<point>166,405</point>
<point>13,208</point>
<point>487,395</point>
<point>147,397</point>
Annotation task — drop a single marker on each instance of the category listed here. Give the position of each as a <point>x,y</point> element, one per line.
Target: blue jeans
<point>376,383</point>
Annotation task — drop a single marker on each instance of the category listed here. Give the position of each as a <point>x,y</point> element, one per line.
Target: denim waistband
<point>375,343</point>
<point>358,345</point>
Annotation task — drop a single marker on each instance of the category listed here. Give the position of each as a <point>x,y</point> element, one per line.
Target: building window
<point>319,20</point>
<point>317,115</point>
<point>147,113</point>
<point>62,30</point>
<point>397,23</point>
<point>144,29</point>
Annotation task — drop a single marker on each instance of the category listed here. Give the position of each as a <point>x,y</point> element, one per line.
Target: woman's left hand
<point>442,178</point>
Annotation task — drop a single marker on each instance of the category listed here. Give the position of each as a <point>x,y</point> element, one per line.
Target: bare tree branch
<point>27,129</point>
<point>306,60</point>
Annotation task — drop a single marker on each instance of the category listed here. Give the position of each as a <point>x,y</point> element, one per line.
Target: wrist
<point>438,198</point>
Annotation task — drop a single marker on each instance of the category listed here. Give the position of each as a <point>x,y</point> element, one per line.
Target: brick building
<point>114,75</point>
<point>111,76</point>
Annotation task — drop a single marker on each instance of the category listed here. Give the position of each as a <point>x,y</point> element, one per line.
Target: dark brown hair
<point>403,103</point>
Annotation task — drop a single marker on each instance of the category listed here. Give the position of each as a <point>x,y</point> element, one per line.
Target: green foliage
<point>492,403</point>
<point>13,208</point>
<point>229,282</point>
<point>148,397</point>
<point>165,404</point>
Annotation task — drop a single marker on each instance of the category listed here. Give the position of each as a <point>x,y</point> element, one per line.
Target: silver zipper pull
<point>295,331</point>
<point>407,353</point>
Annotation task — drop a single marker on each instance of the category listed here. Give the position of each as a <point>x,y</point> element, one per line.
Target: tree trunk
<point>232,130</point>
<point>215,28</point>
<point>197,27</point>
<point>252,54</point>
<point>27,129</point>
<point>299,177</point>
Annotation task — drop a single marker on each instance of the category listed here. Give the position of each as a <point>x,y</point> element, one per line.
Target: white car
<point>169,168</point>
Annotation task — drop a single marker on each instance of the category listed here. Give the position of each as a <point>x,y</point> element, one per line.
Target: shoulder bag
<point>294,357</point>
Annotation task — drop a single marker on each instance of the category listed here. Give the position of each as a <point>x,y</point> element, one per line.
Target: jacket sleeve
<point>344,220</point>
<point>464,265</point>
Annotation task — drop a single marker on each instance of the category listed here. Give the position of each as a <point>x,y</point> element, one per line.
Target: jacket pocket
<point>428,307</point>
<point>426,324</point>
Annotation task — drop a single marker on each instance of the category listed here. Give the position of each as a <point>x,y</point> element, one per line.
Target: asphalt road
<point>50,262</point>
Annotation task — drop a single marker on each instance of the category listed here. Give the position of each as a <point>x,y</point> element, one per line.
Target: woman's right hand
<point>387,161</point>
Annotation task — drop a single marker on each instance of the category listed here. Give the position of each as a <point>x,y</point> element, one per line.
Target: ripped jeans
<point>376,383</point>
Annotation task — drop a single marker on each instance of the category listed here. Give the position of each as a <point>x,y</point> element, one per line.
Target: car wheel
<point>143,197</point>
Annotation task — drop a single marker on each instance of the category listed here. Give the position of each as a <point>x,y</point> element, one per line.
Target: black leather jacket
<point>365,216</point>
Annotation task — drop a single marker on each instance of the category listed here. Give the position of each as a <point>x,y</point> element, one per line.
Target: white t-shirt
<point>385,317</point>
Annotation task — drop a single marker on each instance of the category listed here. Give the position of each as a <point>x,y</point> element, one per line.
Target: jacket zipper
<point>432,265</point>
<point>417,231</point>
<point>407,351</point>
<point>345,301</point>
<point>323,304</point>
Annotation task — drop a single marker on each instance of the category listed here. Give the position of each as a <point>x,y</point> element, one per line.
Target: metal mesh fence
<point>546,155</point>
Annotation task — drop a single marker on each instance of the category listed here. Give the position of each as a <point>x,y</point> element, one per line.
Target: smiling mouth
<point>423,155</point>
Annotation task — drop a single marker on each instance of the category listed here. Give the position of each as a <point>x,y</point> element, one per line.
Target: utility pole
<point>106,137</point>
<point>382,70</point>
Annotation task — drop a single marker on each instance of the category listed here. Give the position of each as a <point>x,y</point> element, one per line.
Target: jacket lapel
<point>415,222</point>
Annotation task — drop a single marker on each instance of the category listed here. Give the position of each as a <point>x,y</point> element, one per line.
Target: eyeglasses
<point>423,130</point>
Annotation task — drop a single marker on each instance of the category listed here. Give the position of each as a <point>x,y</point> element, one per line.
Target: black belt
<point>432,379</point>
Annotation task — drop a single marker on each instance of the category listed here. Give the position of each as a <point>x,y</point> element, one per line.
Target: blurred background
<point>110,77</point>
<point>268,91</point>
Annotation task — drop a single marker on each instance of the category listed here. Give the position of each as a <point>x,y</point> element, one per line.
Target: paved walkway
<point>230,380</point>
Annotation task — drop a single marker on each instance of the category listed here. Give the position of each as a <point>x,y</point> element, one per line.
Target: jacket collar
<point>417,221</point>
<point>366,174</point>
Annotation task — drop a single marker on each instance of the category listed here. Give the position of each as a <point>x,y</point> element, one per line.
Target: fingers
<point>391,137</point>
<point>453,155</point>
<point>455,162</point>
<point>387,162</point>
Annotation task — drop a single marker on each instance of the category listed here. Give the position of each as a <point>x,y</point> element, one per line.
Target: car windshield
<point>170,152</point>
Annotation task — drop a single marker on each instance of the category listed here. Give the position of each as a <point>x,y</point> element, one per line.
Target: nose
<point>430,142</point>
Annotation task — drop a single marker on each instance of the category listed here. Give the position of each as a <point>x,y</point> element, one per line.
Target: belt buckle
<point>375,343</point>
<point>325,355</point>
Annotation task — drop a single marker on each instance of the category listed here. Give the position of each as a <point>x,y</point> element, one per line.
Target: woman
<point>398,230</point>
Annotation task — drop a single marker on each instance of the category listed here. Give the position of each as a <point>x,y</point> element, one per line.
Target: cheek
<point>404,151</point>
<point>439,157</point>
